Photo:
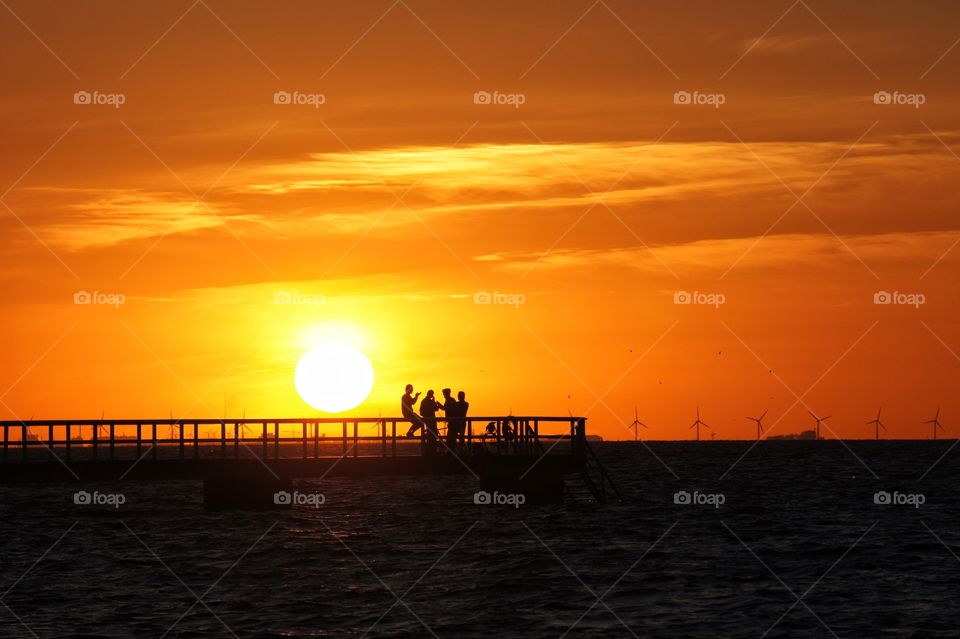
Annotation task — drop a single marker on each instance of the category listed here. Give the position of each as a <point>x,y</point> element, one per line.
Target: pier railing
<point>284,438</point>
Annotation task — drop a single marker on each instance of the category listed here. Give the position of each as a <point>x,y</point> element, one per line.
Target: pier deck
<point>285,449</point>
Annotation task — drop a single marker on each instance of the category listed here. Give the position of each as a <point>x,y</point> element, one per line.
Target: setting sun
<point>334,377</point>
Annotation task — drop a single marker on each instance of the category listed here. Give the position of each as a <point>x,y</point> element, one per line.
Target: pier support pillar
<point>259,492</point>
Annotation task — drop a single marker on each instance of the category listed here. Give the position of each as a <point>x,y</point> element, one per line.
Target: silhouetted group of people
<point>455,411</point>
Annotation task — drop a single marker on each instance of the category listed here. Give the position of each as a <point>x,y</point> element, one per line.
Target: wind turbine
<point>818,420</point>
<point>100,425</point>
<point>877,424</point>
<point>636,422</point>
<point>171,429</point>
<point>759,421</point>
<point>243,425</point>
<point>936,423</point>
<point>699,423</point>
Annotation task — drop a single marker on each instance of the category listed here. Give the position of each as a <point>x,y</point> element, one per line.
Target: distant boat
<point>594,438</point>
<point>807,435</point>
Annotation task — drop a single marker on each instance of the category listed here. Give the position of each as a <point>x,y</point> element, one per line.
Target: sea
<point>710,539</point>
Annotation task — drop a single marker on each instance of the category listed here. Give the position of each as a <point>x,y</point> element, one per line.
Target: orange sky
<point>387,208</point>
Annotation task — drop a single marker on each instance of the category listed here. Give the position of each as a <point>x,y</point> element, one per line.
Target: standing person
<point>456,414</point>
<point>428,411</point>
<point>407,402</point>
<point>449,407</point>
<point>462,407</point>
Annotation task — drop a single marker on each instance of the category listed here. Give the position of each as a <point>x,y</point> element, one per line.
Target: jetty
<point>245,463</point>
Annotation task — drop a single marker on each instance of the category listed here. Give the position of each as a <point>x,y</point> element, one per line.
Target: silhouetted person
<point>492,438</point>
<point>509,432</point>
<point>456,416</point>
<point>463,408</point>
<point>428,411</point>
<point>407,402</point>
<point>449,404</point>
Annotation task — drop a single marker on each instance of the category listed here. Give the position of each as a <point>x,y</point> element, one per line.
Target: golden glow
<point>332,332</point>
<point>244,233</point>
<point>334,377</point>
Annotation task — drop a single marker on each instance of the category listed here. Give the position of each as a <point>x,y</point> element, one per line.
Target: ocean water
<point>784,539</point>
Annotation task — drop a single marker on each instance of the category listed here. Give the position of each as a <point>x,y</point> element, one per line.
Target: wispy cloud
<point>788,43</point>
<point>105,217</point>
<point>715,255</point>
<point>340,193</point>
<point>344,192</point>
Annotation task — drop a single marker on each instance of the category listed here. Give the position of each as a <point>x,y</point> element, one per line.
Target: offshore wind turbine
<point>635,424</point>
<point>171,428</point>
<point>698,424</point>
<point>936,423</point>
<point>818,420</point>
<point>99,425</point>
<point>759,421</point>
<point>877,424</point>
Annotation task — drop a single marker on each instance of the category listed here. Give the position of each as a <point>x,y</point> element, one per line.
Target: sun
<point>334,377</point>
